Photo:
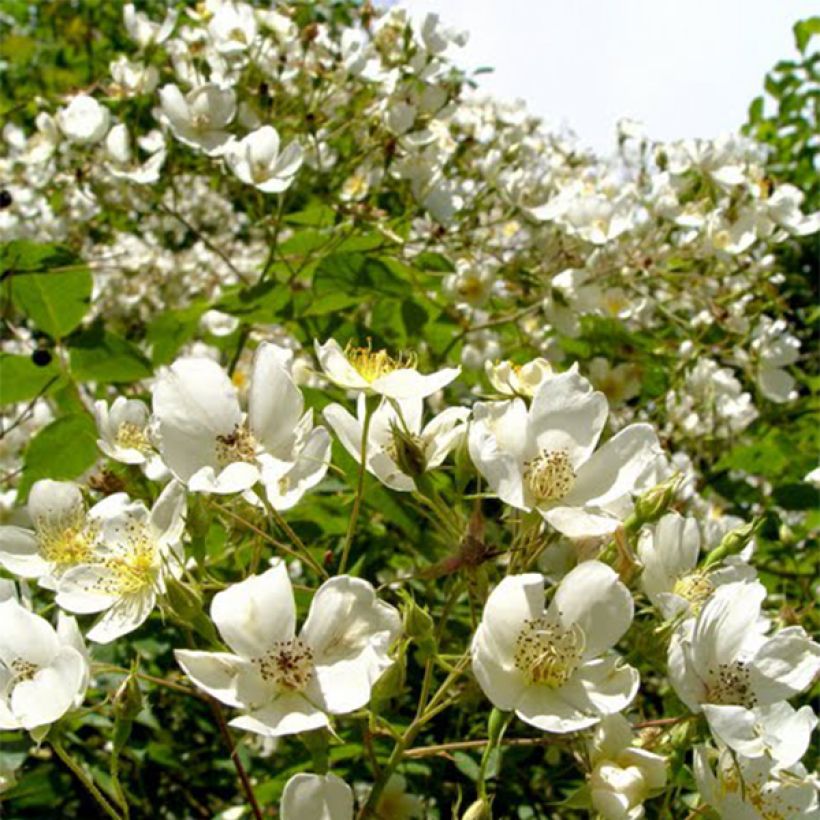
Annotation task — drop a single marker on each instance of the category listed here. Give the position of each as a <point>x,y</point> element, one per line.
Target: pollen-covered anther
<point>134,566</point>
<point>730,686</point>
<point>133,436</point>
<point>23,670</point>
<point>548,653</point>
<point>289,665</point>
<point>240,445</point>
<point>67,541</point>
<point>694,588</point>
<point>371,365</point>
<point>550,475</point>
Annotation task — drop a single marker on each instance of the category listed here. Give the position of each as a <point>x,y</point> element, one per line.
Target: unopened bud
<point>183,600</point>
<point>409,454</point>
<point>733,542</point>
<point>419,625</point>
<point>128,699</point>
<point>653,504</point>
<point>480,810</point>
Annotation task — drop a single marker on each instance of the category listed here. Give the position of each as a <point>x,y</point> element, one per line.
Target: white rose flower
<point>285,683</point>
<point>210,445</point>
<point>199,117</point>
<point>376,372</point>
<point>125,430</point>
<point>723,664</point>
<point>143,31</point>
<point>122,162</point>
<point>123,577</point>
<point>43,672</point>
<point>544,458</point>
<point>233,28</point>
<point>750,789</point>
<point>623,775</point>
<point>669,552</point>
<point>257,160</point>
<point>554,667</point>
<point>84,120</point>
<point>512,379</point>
<point>319,796</point>
<point>387,451</point>
<point>64,534</point>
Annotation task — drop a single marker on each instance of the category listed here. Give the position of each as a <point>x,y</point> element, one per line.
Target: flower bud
<point>128,699</point>
<point>184,601</point>
<point>480,810</point>
<point>419,625</point>
<point>654,503</point>
<point>409,454</point>
<point>733,542</point>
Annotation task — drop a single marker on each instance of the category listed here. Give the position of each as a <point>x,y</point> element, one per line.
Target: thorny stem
<point>240,769</point>
<point>357,501</point>
<point>444,748</point>
<point>85,779</point>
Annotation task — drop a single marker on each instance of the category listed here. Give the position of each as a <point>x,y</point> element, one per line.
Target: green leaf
<point>804,30</point>
<point>97,355</point>
<point>167,333</point>
<point>259,303</point>
<point>22,380</point>
<point>354,274</point>
<point>62,450</point>
<point>49,284</point>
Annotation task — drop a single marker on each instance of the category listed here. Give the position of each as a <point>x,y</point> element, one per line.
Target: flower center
<point>134,566</point>
<point>239,445</point>
<point>730,686</point>
<point>23,670</point>
<point>132,436</point>
<point>548,653</point>
<point>694,588</point>
<point>372,365</point>
<point>549,475</point>
<point>68,541</point>
<point>288,666</point>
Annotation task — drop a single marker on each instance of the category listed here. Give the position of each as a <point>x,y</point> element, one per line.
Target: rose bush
<point>300,328</point>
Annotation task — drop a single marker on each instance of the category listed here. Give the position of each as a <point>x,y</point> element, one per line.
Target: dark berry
<point>5,199</point>
<point>41,357</point>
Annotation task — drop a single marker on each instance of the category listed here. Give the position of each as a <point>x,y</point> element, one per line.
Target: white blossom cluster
<point>175,176</point>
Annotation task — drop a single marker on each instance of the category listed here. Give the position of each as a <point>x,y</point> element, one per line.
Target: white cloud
<point>684,68</point>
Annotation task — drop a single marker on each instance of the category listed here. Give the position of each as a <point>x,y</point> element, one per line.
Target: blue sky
<point>682,67</point>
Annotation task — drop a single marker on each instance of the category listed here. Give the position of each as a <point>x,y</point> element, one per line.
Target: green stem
<point>294,538</point>
<point>357,502</point>
<point>85,779</point>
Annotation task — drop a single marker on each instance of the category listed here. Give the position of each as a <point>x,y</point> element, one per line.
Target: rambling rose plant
<point>370,451</point>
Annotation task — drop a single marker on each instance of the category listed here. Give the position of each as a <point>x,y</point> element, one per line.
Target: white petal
<point>518,598</point>
<point>552,710</point>
<point>612,471</point>
<point>575,522</point>
<point>82,589</point>
<point>316,797</point>
<point>567,414</point>
<point>54,500</point>
<point>288,714</point>
<point>124,616</point>
<point>406,383</point>
<point>593,596</point>
<point>194,401</point>
<point>337,368</point>
<point>25,635</point>
<point>497,441</point>
<point>498,677</point>
<point>345,619</point>
<point>51,692</point>
<point>610,684</point>
<point>253,615</point>
<point>726,620</point>
<point>275,403</point>
<point>213,672</point>
<point>20,553</point>
<point>785,665</point>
